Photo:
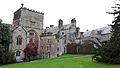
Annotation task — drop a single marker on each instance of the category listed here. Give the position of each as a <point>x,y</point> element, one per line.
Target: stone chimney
<point>60,23</point>
<point>77,30</point>
<point>51,25</point>
<point>73,22</point>
<point>47,27</point>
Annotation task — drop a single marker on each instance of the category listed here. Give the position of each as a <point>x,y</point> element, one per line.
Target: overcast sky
<point>90,14</point>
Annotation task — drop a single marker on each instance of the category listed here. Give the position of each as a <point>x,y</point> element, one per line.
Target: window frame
<point>18,53</point>
<point>19,40</point>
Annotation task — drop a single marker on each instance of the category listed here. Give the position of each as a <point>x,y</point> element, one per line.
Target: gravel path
<point>82,56</point>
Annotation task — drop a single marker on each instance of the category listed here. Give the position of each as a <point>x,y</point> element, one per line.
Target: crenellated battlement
<point>25,8</point>
<point>28,17</point>
<point>32,10</point>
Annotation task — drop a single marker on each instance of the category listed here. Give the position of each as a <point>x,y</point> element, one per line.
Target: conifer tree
<point>110,51</point>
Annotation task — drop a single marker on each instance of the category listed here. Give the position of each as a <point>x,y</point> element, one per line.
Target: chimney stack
<point>60,23</point>
<point>51,25</point>
<point>47,27</point>
<point>73,22</point>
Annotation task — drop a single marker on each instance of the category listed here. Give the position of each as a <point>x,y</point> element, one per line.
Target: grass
<point>64,61</point>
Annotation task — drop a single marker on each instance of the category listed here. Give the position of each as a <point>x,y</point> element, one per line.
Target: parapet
<point>28,9</point>
<point>32,10</point>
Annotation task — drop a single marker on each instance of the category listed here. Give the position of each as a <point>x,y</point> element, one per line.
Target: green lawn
<point>65,61</point>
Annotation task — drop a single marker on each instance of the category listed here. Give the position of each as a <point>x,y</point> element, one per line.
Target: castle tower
<point>28,18</point>
<point>27,25</point>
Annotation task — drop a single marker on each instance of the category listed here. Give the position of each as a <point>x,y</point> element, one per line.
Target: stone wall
<point>48,47</point>
<point>31,19</point>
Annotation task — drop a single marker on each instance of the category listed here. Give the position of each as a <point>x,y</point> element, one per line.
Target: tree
<point>30,50</point>
<point>5,35</point>
<point>1,53</point>
<point>4,42</point>
<point>109,52</point>
<point>0,20</point>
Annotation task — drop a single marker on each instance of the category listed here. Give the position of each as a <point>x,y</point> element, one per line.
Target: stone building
<point>65,34</point>
<point>103,34</point>
<point>52,41</point>
<point>97,35</point>
<point>27,24</point>
<point>49,46</point>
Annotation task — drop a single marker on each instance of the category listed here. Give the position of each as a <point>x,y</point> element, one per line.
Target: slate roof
<point>87,33</point>
<point>55,30</point>
<point>67,26</point>
<point>104,30</point>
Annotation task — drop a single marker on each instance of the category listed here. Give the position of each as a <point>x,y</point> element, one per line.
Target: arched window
<point>31,33</point>
<point>19,40</point>
<point>17,53</point>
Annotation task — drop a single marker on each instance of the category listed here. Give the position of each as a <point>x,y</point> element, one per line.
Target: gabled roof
<point>104,30</point>
<point>87,33</point>
<point>55,30</point>
<point>14,28</point>
<point>67,26</point>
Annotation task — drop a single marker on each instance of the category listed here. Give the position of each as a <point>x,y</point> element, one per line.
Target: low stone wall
<point>74,48</point>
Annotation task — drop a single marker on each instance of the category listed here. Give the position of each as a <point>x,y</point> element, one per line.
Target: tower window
<point>19,40</point>
<point>31,33</point>
<point>32,22</point>
<point>17,53</point>
<point>62,32</point>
